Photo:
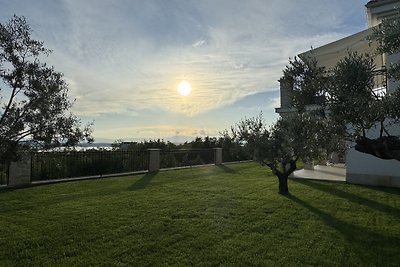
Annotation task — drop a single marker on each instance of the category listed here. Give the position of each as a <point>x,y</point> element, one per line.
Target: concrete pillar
<point>335,158</point>
<point>20,172</point>
<point>309,165</point>
<point>217,156</point>
<point>286,90</point>
<point>154,159</point>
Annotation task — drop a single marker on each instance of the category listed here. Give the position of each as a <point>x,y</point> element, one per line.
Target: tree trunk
<point>288,167</point>
<point>283,184</point>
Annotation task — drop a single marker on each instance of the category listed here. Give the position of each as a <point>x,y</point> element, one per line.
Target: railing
<point>59,165</point>
<point>185,158</point>
<point>50,166</point>
<point>235,155</point>
<point>380,82</point>
<point>4,173</point>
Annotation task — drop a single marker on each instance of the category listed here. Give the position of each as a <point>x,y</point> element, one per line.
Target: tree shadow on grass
<point>369,246</point>
<point>143,181</point>
<point>388,190</point>
<point>6,190</point>
<point>351,197</point>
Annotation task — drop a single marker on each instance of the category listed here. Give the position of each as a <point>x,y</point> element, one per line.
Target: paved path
<point>335,173</point>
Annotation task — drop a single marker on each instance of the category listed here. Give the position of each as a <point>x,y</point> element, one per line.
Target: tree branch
<point>274,169</point>
<point>10,101</point>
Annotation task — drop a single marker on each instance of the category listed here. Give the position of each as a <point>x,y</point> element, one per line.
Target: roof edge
<point>375,3</point>
<point>365,32</point>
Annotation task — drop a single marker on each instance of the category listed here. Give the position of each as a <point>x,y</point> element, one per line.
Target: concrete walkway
<point>336,173</point>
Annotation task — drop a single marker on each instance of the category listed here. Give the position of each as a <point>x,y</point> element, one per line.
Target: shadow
<point>7,189</point>
<point>372,204</point>
<point>143,181</point>
<point>367,245</point>
<point>226,169</point>
<point>387,190</point>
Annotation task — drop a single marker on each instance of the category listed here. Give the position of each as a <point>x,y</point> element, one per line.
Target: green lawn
<point>209,216</point>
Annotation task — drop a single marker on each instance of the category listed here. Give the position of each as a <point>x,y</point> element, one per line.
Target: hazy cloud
<point>122,56</point>
<point>126,56</point>
<point>153,131</point>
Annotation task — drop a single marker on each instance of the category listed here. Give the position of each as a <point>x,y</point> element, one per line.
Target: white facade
<point>380,9</point>
<point>366,169</point>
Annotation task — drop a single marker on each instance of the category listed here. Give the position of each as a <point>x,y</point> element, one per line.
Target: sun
<point>184,88</point>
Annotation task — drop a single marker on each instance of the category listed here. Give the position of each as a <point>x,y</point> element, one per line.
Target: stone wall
<point>20,172</point>
<point>366,169</point>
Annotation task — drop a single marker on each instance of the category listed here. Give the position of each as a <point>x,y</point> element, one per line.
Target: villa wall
<point>379,10</point>
<point>369,170</point>
<point>366,169</point>
<point>392,59</point>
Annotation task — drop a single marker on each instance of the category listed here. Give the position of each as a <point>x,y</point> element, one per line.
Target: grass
<point>210,216</point>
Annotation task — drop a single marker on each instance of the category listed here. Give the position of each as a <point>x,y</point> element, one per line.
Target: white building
<point>360,168</point>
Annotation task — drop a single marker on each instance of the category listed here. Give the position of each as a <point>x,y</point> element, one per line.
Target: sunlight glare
<point>184,88</point>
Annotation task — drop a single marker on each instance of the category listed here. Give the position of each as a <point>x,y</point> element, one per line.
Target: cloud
<point>218,77</point>
<point>155,131</point>
<point>128,56</point>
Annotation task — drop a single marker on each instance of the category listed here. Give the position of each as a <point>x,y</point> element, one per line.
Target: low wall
<point>366,169</point>
<point>20,172</point>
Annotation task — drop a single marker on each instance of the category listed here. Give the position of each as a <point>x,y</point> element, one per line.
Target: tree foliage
<point>34,100</point>
<point>352,93</point>
<point>387,34</point>
<point>307,133</point>
<point>232,148</point>
<point>356,101</point>
<point>355,96</point>
<point>307,80</point>
<point>295,136</point>
<point>329,107</point>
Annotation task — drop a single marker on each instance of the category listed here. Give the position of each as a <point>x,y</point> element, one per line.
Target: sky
<point>123,59</point>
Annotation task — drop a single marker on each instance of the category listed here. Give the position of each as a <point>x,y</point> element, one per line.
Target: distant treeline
<point>232,149</point>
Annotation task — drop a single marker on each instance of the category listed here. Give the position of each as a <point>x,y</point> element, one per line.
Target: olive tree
<point>34,101</point>
<point>351,94</point>
<point>387,34</point>
<point>293,137</point>
<point>356,103</point>
<point>305,133</point>
<point>307,81</point>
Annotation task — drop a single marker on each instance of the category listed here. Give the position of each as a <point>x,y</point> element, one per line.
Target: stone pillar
<point>335,158</point>
<point>20,172</point>
<point>217,156</point>
<point>154,159</point>
<point>286,90</point>
<point>309,165</point>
